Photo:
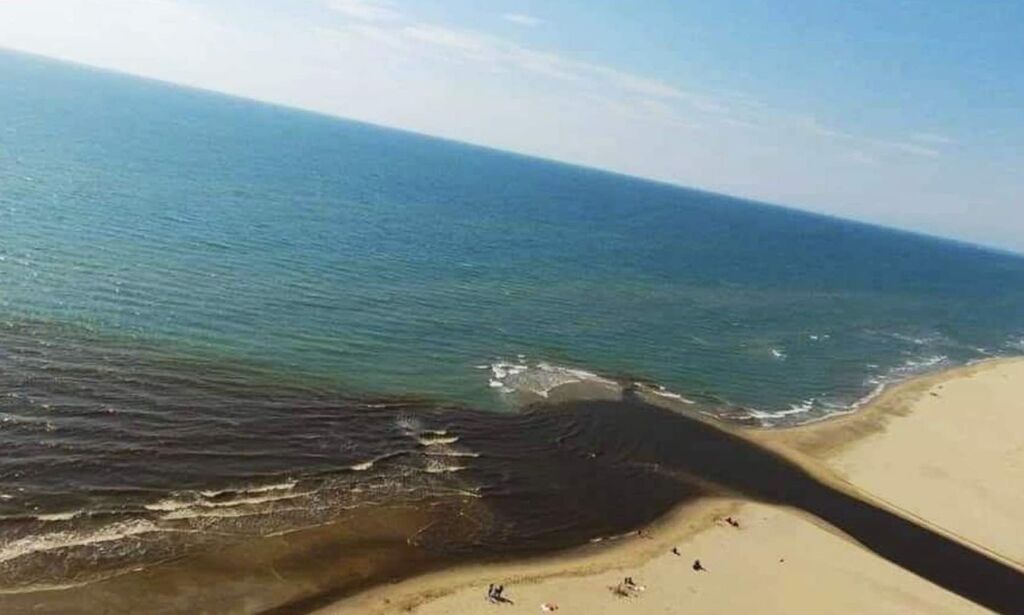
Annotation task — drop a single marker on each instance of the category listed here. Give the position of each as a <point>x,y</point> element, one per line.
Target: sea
<point>254,358</point>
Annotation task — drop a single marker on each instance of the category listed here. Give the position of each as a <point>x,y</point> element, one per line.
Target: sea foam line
<point>539,378</point>
<point>61,540</point>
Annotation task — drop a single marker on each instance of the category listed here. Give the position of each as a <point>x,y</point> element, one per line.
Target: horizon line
<point>749,200</point>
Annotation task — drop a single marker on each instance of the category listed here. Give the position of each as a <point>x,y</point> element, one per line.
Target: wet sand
<point>930,466</point>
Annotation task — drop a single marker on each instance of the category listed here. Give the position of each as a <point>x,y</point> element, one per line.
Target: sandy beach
<point>943,450</point>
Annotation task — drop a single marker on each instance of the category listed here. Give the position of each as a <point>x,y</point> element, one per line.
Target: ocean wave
<point>436,446</point>
<point>918,338</point>
<point>802,407</point>
<point>807,407</point>
<point>29,545</point>
<point>429,439</point>
<point>815,409</point>
<point>910,367</point>
<point>229,513</point>
<point>363,466</point>
<point>449,452</point>
<point>659,391</point>
<point>62,516</point>
<point>216,499</point>
<point>539,378</point>
<point>408,424</point>
<point>438,466</point>
<point>258,489</point>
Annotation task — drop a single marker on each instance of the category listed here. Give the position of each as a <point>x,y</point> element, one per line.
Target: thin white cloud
<point>895,145</point>
<point>502,54</point>
<point>365,10</point>
<point>522,20</point>
<point>932,138</point>
<point>910,148</point>
<point>862,158</point>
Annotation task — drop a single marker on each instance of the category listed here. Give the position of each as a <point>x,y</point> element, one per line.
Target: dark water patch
<point>701,450</point>
<point>144,482</point>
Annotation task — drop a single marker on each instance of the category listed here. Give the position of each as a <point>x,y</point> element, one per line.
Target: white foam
<point>246,497</point>
<point>64,516</point>
<point>366,465</point>
<point>227,513</point>
<point>899,373</point>
<point>803,407</point>
<point>254,500</point>
<point>778,354</point>
<point>168,504</point>
<point>408,424</point>
<point>433,440</point>
<point>437,466</point>
<point>878,390</point>
<point>661,391</point>
<point>538,378</point>
<point>910,367</point>
<point>61,540</point>
<point>449,452</point>
<point>261,489</point>
<point>917,341</point>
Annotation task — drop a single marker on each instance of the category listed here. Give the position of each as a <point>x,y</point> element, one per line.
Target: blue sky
<point>908,113</point>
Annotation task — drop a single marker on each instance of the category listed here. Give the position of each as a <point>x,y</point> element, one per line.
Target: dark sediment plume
<point>703,451</point>
<point>135,483</point>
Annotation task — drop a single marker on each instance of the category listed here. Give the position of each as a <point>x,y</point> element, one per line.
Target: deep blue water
<point>388,262</point>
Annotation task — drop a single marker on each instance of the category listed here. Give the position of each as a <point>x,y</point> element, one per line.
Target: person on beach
<point>698,567</point>
<point>495,595</point>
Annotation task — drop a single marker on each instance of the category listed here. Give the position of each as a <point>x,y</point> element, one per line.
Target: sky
<point>904,113</point>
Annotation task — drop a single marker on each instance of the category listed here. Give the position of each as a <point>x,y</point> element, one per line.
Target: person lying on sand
<point>675,551</point>
<point>627,588</point>
<point>495,595</point>
<point>620,590</point>
<point>698,567</point>
<point>633,586</point>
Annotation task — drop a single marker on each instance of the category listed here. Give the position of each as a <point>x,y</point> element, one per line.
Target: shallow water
<point>229,328</point>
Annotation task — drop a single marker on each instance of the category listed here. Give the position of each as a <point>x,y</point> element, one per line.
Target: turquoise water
<point>384,262</point>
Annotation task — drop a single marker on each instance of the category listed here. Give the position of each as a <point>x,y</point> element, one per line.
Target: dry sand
<point>946,450</point>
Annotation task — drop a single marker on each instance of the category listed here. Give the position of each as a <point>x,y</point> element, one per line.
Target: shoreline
<point>817,447</point>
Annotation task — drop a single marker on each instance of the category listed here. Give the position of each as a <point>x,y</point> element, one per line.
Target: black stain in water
<point>560,475</point>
